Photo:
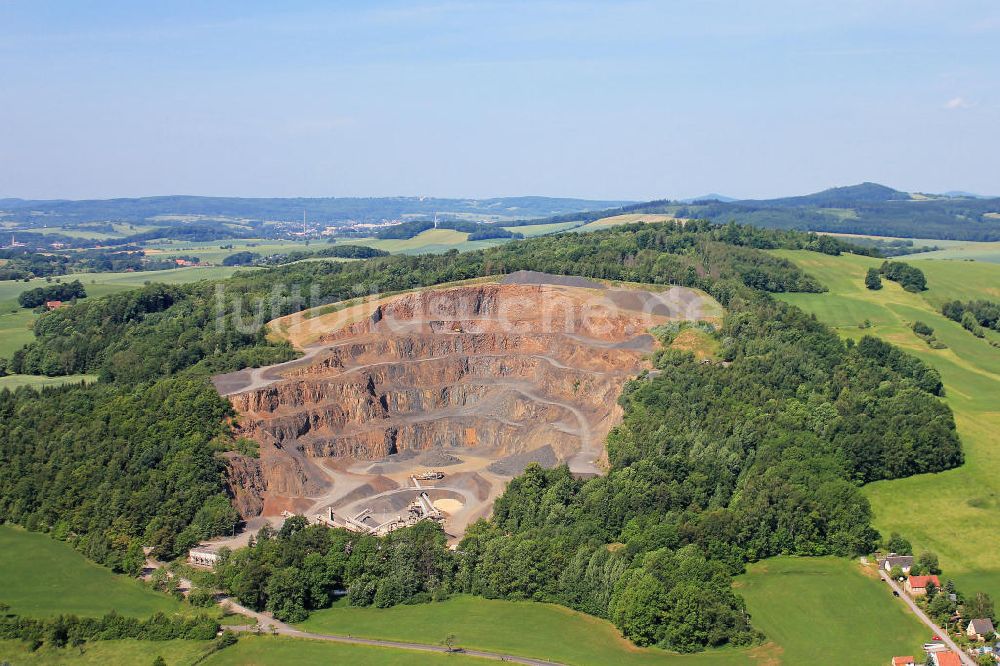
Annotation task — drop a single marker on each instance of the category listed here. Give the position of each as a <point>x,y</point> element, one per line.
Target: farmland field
<point>965,252</point>
<point>628,218</point>
<point>917,242</point>
<point>211,252</point>
<point>954,513</point>
<point>542,229</point>
<point>106,653</point>
<point>432,240</point>
<point>824,610</point>
<point>516,627</point>
<point>15,321</point>
<point>40,576</point>
<point>278,651</point>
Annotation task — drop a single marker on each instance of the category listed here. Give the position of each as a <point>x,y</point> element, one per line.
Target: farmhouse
<point>980,629</point>
<point>917,585</point>
<point>904,562</point>
<point>903,661</point>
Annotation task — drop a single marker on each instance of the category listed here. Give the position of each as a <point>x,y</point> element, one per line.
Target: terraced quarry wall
<point>491,375</point>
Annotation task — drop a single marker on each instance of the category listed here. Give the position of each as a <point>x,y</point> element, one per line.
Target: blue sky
<point>630,100</point>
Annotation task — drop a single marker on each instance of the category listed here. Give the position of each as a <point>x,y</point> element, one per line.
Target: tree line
<point>909,277</point>
<point>974,316</point>
<point>73,631</point>
<point>66,291</point>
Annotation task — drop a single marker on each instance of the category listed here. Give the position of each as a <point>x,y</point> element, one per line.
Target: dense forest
<point>714,465</point>
<point>345,251</point>
<point>111,468</point>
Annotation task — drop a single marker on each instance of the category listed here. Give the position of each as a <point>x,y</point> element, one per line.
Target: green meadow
<point>430,241</point>
<point>211,252</point>
<point>542,229</point>
<point>964,252</point>
<point>109,653</point>
<point>524,628</point>
<point>954,513</point>
<point>279,651</point>
<point>826,610</point>
<point>40,576</point>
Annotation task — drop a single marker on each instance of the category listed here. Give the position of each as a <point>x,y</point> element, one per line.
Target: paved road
<point>266,622</point>
<point>938,631</point>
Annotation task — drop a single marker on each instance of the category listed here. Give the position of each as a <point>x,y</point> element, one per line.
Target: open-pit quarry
<point>424,404</point>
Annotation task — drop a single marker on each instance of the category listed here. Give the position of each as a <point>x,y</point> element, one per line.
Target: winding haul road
<point>266,622</point>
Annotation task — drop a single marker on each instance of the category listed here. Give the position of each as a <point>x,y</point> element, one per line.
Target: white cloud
<point>956,103</point>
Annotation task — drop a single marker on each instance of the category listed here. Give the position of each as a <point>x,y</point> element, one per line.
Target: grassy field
<point>698,342</point>
<point>15,327</point>
<point>825,610</point>
<point>210,252</point>
<point>38,381</point>
<point>964,252</point>
<point>917,242</point>
<point>108,653</point>
<point>15,321</point>
<point>40,576</point>
<point>541,229</point>
<point>432,240</point>
<point>279,651</point>
<point>954,513</point>
<point>516,627</point>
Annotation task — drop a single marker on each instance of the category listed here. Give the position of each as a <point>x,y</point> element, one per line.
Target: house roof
<point>982,626</point>
<point>902,661</point>
<point>921,581</point>
<point>900,560</point>
<point>947,659</point>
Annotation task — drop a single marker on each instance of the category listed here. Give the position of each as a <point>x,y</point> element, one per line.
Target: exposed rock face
<point>245,484</point>
<point>500,369</point>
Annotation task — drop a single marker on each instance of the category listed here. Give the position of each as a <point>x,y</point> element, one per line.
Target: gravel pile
<point>515,464</point>
<point>402,456</point>
<point>534,277</point>
<point>438,458</point>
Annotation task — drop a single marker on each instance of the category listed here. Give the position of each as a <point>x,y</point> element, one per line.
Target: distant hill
<point>329,210</point>
<point>839,197</point>
<point>709,197</point>
<point>867,208</point>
